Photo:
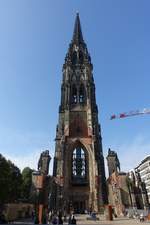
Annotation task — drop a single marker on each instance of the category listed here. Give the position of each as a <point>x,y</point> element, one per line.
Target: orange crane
<point>131,113</point>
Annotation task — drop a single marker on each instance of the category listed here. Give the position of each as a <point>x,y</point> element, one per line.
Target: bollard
<point>108,212</point>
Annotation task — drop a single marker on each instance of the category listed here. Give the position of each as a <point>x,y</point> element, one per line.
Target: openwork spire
<point>77,54</point>
<point>77,34</point>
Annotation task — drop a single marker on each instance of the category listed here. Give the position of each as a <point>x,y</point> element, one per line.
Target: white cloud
<point>24,149</point>
<point>131,153</point>
<point>28,160</point>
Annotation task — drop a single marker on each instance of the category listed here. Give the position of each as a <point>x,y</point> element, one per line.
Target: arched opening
<point>81,57</point>
<point>74,58</point>
<point>82,94</point>
<point>79,165</point>
<point>74,95</point>
<point>79,178</point>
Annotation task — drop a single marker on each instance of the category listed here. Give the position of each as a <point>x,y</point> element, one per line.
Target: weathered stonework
<point>112,162</point>
<point>78,163</point>
<point>125,190</point>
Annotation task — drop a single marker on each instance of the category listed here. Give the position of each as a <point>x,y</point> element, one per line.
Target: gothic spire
<point>77,34</point>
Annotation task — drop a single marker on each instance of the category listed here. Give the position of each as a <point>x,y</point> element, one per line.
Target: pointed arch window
<point>74,57</point>
<point>81,57</point>
<point>74,95</point>
<point>82,94</point>
<point>78,164</point>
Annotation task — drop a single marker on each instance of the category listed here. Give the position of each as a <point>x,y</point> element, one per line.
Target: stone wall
<point>14,211</point>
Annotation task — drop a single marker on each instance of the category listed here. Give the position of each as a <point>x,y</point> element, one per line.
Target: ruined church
<point>78,162</point>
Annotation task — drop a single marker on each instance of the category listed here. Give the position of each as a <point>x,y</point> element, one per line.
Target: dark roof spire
<point>77,34</point>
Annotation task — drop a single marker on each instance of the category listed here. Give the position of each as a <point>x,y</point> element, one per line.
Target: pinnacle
<point>77,34</point>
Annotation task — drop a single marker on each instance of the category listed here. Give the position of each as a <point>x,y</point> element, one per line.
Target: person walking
<point>70,220</point>
<point>54,219</point>
<point>141,217</point>
<point>60,221</point>
<point>73,221</point>
<point>49,217</point>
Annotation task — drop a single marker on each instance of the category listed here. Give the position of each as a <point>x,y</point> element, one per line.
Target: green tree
<point>4,180</point>
<point>15,186</point>
<point>10,181</point>
<point>27,183</point>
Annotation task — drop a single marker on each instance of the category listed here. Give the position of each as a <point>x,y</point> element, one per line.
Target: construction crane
<point>131,113</point>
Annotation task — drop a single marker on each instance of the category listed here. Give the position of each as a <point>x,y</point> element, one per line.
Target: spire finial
<point>77,34</point>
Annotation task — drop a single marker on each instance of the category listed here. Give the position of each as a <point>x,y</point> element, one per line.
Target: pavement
<point>82,219</point>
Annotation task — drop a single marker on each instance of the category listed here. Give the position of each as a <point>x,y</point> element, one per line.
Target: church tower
<point>113,162</point>
<point>78,162</point>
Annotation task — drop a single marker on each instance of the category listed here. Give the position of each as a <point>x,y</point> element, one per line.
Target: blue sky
<point>34,38</point>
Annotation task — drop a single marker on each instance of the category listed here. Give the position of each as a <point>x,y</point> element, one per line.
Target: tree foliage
<point>10,181</point>
<point>14,185</point>
<point>26,182</point>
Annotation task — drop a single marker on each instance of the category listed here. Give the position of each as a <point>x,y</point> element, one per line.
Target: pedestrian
<point>70,220</point>
<point>2,219</point>
<point>73,221</point>
<point>36,218</point>
<point>141,217</point>
<point>49,217</point>
<point>54,219</point>
<point>32,214</point>
<point>65,218</point>
<point>60,221</point>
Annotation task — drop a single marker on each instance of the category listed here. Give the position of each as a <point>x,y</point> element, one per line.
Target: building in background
<point>125,190</point>
<point>41,187</point>
<point>144,170</point>
<point>118,191</point>
<point>112,162</point>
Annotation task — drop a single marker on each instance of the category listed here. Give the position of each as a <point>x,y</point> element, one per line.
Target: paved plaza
<point>122,221</point>
<point>82,219</point>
